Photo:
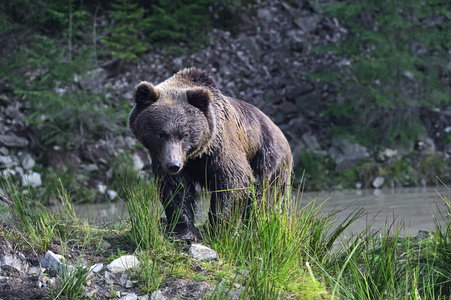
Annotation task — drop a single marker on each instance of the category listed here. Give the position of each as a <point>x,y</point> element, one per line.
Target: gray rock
<point>157,295</point>
<point>309,101</point>
<point>264,14</point>
<point>12,262</point>
<point>96,268</point>
<point>200,252</point>
<point>101,188</point>
<point>288,108</point>
<point>299,90</point>
<point>4,151</point>
<point>129,284</point>
<point>250,44</point>
<point>19,171</point>
<point>27,161</point>
<point>310,141</point>
<point>123,263</point>
<point>55,261</point>
<point>109,278</point>
<point>51,260</point>
<point>307,23</point>
<point>138,163</point>
<point>35,270</point>
<point>123,279</point>
<point>378,182</point>
<point>32,179</point>
<point>6,161</point>
<point>131,296</point>
<point>91,168</point>
<point>12,140</point>
<point>345,154</point>
<point>105,245</point>
<point>13,113</point>
<point>111,194</point>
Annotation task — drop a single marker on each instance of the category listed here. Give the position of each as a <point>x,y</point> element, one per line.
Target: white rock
<point>157,295</point>
<point>201,252</point>
<point>101,188</point>
<point>96,268</point>
<point>12,262</point>
<point>111,194</point>
<point>35,270</point>
<point>378,182</point>
<point>123,263</point>
<point>6,161</point>
<point>19,171</point>
<point>32,179</point>
<point>131,296</point>
<point>27,161</point>
<point>91,168</point>
<point>138,163</point>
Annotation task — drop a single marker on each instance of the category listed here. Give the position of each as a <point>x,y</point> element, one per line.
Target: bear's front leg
<point>231,194</point>
<point>178,200</point>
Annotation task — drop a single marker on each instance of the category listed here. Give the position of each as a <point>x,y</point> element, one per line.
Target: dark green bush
<point>393,64</point>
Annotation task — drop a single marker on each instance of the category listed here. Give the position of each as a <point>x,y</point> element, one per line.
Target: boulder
<point>123,263</point>
<point>13,141</point>
<point>346,154</point>
<point>201,252</point>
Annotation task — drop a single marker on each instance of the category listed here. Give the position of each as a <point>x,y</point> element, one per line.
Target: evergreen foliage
<point>56,50</point>
<point>47,70</point>
<point>178,20</point>
<point>394,63</point>
<point>128,24</point>
<point>162,23</point>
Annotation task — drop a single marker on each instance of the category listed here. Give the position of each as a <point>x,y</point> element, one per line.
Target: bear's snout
<point>173,160</point>
<point>173,167</point>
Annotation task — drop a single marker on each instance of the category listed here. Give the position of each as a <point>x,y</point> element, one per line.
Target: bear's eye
<point>185,136</point>
<point>160,135</point>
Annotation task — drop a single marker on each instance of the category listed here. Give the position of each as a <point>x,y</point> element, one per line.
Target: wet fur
<point>230,145</point>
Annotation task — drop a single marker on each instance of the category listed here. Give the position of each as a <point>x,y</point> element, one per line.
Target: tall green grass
<point>286,250</point>
<point>390,264</point>
<point>274,247</point>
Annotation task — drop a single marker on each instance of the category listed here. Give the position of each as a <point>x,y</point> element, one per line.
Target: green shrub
<point>128,24</point>
<point>136,28</point>
<point>392,65</point>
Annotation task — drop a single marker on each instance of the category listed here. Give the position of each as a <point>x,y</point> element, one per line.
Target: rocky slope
<point>263,64</point>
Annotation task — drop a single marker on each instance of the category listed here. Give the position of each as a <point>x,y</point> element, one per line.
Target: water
<point>413,207</point>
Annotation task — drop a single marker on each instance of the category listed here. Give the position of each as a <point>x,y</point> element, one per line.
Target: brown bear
<point>196,135</point>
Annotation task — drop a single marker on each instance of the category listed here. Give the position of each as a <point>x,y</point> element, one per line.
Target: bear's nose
<point>173,167</point>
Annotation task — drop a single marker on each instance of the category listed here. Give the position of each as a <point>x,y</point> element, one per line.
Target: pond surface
<point>412,207</point>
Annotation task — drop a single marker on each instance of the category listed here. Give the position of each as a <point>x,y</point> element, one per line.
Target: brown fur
<point>194,134</point>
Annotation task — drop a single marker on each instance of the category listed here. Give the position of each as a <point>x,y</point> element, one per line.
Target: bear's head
<point>173,123</point>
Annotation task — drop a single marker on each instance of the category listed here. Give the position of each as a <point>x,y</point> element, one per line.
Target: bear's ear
<point>146,94</point>
<point>199,97</point>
